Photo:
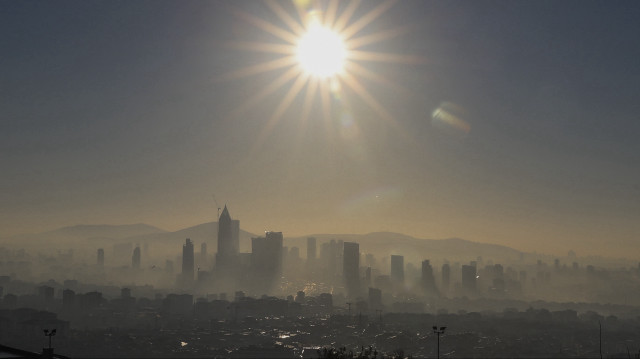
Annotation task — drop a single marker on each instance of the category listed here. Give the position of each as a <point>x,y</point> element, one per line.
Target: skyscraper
<point>469,279</point>
<point>135,259</point>
<point>266,259</point>
<point>351,268</point>
<point>311,251</point>
<point>228,240</point>
<point>100,257</point>
<point>428,279</point>
<point>446,276</point>
<point>397,269</point>
<point>187,262</point>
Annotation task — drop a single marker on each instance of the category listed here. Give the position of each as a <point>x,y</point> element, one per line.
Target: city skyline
<point>123,113</point>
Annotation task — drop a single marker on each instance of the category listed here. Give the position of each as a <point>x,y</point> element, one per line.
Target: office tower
<point>311,251</point>
<point>446,276</point>
<point>397,269</point>
<point>266,259</point>
<point>228,234</point>
<point>187,262</point>
<point>100,257</point>
<point>294,254</point>
<point>469,279</point>
<point>351,268</point>
<point>428,280</point>
<point>228,240</point>
<point>135,259</point>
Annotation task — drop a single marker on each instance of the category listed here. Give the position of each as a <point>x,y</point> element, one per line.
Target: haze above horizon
<point>511,123</point>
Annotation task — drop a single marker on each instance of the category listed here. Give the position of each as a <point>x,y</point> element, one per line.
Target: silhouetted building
<point>46,294</point>
<point>311,251</point>
<point>188,265</point>
<point>100,257</point>
<point>135,259</point>
<point>266,259</point>
<point>428,279</point>
<point>446,276</point>
<point>351,267</point>
<point>228,241</point>
<point>68,299</point>
<point>397,269</point>
<point>469,279</point>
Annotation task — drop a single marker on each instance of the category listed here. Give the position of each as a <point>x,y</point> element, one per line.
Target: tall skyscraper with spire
<point>228,240</point>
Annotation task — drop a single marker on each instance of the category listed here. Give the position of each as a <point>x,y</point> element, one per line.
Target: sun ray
<point>268,27</point>
<point>330,14</point>
<point>357,69</point>
<point>357,87</point>
<point>301,10</point>
<point>288,98</point>
<point>295,89</point>
<point>385,57</point>
<point>308,100</point>
<point>262,67</point>
<point>345,16</point>
<point>326,104</point>
<point>273,86</point>
<point>355,43</point>
<point>312,88</point>
<point>296,44</point>
<point>285,17</point>
<point>264,47</point>
<point>367,19</point>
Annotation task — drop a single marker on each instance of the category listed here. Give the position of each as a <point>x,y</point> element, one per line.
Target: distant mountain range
<point>416,249</point>
<point>379,243</point>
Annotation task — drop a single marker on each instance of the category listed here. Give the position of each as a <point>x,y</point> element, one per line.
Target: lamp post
<point>49,333</point>
<point>438,332</point>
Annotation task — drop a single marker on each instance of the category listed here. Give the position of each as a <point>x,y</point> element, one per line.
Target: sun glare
<point>321,52</point>
<point>320,49</point>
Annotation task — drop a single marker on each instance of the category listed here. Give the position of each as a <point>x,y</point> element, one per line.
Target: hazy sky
<point>123,112</point>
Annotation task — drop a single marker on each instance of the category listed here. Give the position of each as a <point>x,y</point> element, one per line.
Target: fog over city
<point>319,179</point>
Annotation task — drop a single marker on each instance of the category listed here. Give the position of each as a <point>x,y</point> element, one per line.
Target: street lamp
<point>438,332</point>
<point>49,333</point>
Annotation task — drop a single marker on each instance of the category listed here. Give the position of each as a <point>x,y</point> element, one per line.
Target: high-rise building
<point>266,259</point>
<point>100,257</point>
<point>397,269</point>
<point>446,276</point>
<point>469,279</point>
<point>428,279</point>
<point>351,268</point>
<point>135,259</point>
<point>188,265</point>
<point>311,251</point>
<point>228,240</point>
<point>228,234</point>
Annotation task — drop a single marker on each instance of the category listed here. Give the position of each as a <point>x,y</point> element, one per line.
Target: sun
<point>321,52</point>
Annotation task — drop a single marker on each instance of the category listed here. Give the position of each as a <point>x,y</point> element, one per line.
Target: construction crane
<point>217,205</point>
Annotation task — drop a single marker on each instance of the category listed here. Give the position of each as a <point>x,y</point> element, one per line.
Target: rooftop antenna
<point>217,205</point>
